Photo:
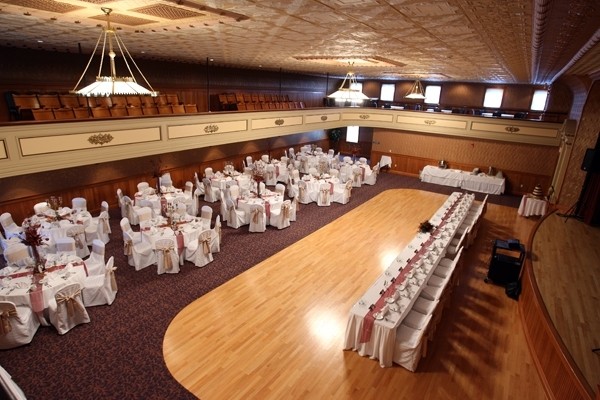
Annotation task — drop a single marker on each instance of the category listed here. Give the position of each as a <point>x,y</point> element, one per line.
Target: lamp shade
<point>349,93</point>
<point>108,86</point>
<point>113,85</point>
<point>416,91</point>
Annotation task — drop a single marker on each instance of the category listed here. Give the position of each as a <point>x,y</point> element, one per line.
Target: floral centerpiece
<point>426,227</point>
<point>33,239</point>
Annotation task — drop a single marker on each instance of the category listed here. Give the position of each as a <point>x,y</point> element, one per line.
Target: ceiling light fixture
<point>416,91</point>
<point>351,93</point>
<point>113,84</point>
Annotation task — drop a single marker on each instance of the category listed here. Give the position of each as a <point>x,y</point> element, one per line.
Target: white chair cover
<point>79,204</point>
<point>144,215</point>
<point>40,208</point>
<point>211,193</point>
<point>215,236</point>
<point>17,325</point>
<point>101,289</point>
<point>371,177</point>
<point>342,192</point>
<point>130,213</point>
<point>167,256</point>
<point>95,264</point>
<point>280,218</point>
<point>17,254</point>
<point>410,345</point>
<point>324,197</point>
<point>258,218</point>
<point>235,218</point>
<point>206,216</point>
<point>203,254</point>
<point>12,390</point>
<point>66,309</point>
<point>66,245</point>
<point>270,178</point>
<point>303,195</point>
<point>10,227</point>
<point>99,228</point>
<point>77,232</point>
<point>141,253</point>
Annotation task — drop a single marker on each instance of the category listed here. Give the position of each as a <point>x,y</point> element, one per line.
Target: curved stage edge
<point>561,377</point>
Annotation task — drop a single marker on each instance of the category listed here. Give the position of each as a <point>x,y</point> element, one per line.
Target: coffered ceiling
<point>509,41</point>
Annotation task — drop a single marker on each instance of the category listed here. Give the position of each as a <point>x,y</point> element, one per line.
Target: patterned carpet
<point>119,354</point>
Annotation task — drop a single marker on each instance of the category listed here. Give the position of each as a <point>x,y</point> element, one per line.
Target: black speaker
<point>591,161</point>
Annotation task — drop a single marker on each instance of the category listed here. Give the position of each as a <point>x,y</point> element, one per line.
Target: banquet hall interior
<point>479,118</point>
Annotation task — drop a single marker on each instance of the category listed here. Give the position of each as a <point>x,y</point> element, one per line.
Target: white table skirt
<point>465,180</point>
<point>531,206</point>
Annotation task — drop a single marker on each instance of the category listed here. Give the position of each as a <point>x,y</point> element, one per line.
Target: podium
<point>506,262</point>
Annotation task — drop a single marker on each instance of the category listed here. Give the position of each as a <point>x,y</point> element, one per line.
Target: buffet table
<point>374,319</point>
<point>463,179</point>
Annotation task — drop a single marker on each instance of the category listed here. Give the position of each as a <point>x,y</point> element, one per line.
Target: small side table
<point>532,206</point>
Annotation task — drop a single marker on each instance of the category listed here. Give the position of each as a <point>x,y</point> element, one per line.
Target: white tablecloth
<point>419,259</point>
<point>465,180</point>
<point>26,291</point>
<point>531,206</point>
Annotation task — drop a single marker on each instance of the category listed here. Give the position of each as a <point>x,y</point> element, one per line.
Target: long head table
<point>374,319</point>
<point>465,180</point>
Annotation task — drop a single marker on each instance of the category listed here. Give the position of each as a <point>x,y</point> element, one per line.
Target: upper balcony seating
<point>57,106</point>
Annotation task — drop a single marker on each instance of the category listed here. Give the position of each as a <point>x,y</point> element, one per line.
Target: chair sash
<point>113,280</point>
<point>255,215</point>
<point>218,230</point>
<point>269,174</point>
<point>357,175</point>
<point>285,212</point>
<point>105,224</point>
<point>5,326</point>
<point>166,253</point>
<point>204,241</point>
<point>77,237</point>
<point>231,213</point>
<point>128,244</point>
<point>324,195</point>
<point>302,192</point>
<point>129,210</point>
<point>70,301</point>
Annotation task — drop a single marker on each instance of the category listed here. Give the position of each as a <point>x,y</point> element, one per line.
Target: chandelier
<point>351,93</point>
<point>416,91</point>
<point>113,84</point>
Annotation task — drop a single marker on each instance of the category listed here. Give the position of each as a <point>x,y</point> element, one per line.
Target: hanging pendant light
<point>350,93</point>
<point>416,91</point>
<point>113,84</point>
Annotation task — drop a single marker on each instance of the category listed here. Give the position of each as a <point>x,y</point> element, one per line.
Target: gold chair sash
<point>324,195</point>
<point>128,247</point>
<point>70,301</point>
<point>105,225</point>
<point>285,212</point>
<point>113,279</point>
<point>167,260</point>
<point>255,215</point>
<point>301,191</point>
<point>5,326</point>
<point>77,239</point>
<point>205,243</point>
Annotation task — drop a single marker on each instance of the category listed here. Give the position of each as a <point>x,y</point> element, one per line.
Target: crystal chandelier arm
<point>89,62</point>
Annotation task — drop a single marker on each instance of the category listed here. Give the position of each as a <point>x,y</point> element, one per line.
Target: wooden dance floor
<point>566,265</point>
<point>276,331</point>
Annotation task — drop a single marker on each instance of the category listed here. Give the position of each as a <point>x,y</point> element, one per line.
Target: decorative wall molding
<point>57,145</point>
<point>3,154</point>
<point>217,127</point>
<point>39,145</point>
